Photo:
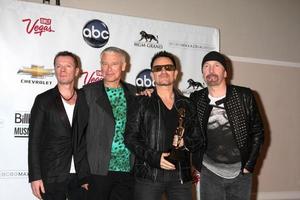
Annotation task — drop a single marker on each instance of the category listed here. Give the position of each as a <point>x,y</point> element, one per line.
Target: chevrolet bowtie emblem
<point>36,71</point>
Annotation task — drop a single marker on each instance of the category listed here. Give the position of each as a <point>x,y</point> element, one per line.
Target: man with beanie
<point>233,131</point>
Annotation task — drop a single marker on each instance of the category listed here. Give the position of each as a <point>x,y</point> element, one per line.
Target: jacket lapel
<point>102,99</point>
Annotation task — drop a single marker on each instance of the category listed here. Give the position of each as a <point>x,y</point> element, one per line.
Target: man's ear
<point>77,71</point>
<point>151,75</point>
<point>175,74</point>
<point>124,66</point>
<point>225,74</point>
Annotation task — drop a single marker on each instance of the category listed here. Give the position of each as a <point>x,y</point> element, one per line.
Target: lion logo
<point>194,84</point>
<point>146,36</point>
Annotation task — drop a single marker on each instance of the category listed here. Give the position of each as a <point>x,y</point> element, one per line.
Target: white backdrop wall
<point>30,36</point>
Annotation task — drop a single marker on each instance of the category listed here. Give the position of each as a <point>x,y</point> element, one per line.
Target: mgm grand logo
<point>148,40</point>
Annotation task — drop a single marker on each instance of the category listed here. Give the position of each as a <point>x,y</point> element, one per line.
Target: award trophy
<point>177,153</point>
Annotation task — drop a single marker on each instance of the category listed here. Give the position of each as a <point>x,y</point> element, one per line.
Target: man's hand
<point>195,175</point>
<point>146,92</point>
<point>245,171</point>
<point>164,164</point>
<point>176,142</point>
<point>37,187</point>
<point>85,186</point>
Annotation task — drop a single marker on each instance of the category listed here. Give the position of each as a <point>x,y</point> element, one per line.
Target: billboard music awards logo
<point>36,72</point>
<point>21,124</point>
<point>143,80</point>
<point>38,26</point>
<point>95,33</point>
<point>148,40</point>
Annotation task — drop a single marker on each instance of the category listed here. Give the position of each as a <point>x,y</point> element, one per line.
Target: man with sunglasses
<point>151,124</point>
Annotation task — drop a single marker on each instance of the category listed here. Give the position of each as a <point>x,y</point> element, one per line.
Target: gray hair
<point>117,50</point>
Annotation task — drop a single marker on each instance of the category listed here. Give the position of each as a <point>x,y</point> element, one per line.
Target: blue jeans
<point>214,187</point>
<point>148,190</point>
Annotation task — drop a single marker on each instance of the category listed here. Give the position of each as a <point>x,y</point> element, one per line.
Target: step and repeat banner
<point>30,36</point>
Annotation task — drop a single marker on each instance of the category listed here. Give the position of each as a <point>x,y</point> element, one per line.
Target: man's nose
<point>109,67</point>
<point>211,69</point>
<point>163,69</point>
<point>63,68</point>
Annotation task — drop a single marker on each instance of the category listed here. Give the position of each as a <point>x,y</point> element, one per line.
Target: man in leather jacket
<point>233,130</point>
<point>149,135</point>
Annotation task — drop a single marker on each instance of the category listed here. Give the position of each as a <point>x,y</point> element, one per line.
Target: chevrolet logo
<point>36,71</point>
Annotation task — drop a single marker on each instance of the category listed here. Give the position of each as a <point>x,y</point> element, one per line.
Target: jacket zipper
<point>157,135</point>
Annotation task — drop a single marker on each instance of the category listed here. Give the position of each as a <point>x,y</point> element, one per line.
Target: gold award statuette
<point>177,153</point>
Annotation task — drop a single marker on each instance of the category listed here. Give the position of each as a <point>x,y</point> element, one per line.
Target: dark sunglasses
<point>158,68</point>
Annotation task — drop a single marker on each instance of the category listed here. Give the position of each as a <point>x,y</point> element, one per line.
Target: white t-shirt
<point>70,110</point>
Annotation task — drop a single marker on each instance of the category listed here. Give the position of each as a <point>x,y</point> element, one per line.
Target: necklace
<point>68,99</point>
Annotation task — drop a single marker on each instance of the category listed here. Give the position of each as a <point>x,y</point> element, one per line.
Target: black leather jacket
<point>145,131</point>
<point>244,119</point>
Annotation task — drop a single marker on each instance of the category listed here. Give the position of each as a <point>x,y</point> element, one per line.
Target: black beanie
<point>213,55</point>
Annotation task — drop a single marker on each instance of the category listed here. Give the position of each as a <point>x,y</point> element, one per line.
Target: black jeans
<point>214,187</point>
<point>69,189</point>
<point>114,186</point>
<point>148,190</point>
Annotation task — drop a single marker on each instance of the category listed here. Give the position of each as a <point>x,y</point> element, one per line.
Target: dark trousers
<point>214,187</point>
<point>69,189</point>
<point>114,186</point>
<point>148,190</point>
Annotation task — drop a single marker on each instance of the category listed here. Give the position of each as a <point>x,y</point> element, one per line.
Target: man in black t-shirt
<point>152,122</point>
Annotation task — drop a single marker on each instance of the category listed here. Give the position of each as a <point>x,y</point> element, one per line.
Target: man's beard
<point>212,79</point>
<point>163,84</point>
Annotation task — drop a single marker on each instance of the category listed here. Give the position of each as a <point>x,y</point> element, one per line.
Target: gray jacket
<point>100,129</point>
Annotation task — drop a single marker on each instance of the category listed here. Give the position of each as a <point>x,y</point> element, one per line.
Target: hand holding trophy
<point>178,152</point>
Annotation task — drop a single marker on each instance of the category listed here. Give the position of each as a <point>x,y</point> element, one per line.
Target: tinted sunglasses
<point>158,68</point>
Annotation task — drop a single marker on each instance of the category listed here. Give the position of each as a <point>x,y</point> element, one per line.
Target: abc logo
<point>95,33</point>
<point>144,80</point>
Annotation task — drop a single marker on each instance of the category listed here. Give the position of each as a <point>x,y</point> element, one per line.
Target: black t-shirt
<point>169,123</point>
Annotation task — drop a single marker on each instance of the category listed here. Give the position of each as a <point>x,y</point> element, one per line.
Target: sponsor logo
<point>21,124</point>
<point>148,40</point>
<point>90,77</point>
<point>5,174</point>
<point>191,45</point>
<point>193,86</point>
<point>38,26</point>
<point>143,80</point>
<point>95,33</point>
<point>36,71</point>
